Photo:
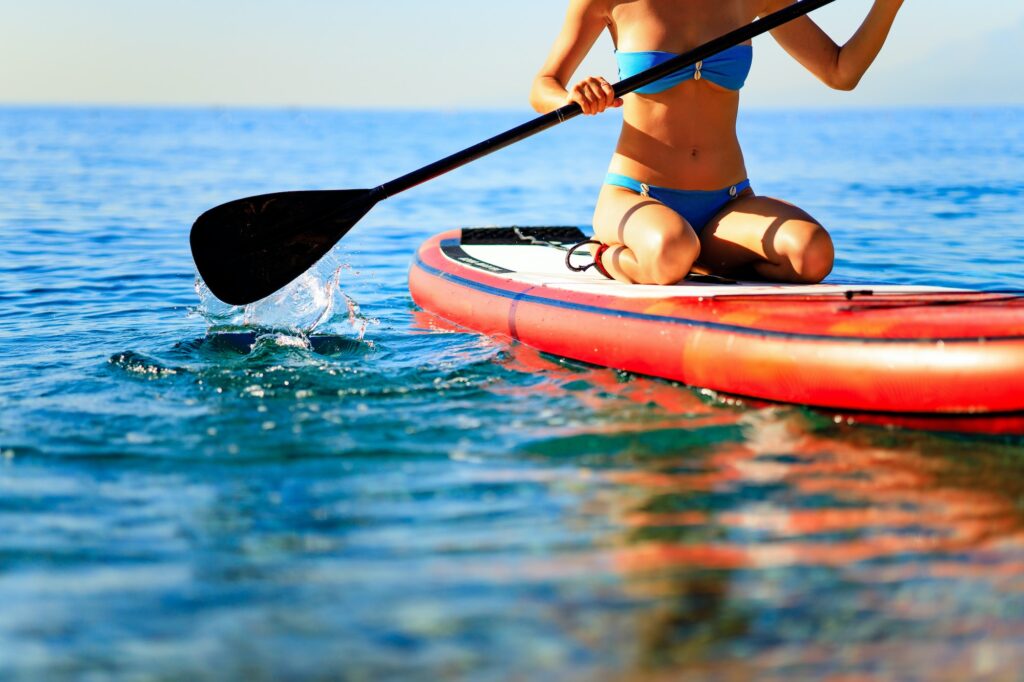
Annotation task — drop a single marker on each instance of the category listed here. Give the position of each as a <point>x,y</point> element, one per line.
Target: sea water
<point>410,499</point>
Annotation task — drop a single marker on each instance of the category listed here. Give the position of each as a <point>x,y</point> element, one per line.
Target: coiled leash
<point>601,248</point>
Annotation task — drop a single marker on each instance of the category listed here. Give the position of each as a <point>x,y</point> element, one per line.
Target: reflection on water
<point>331,484</point>
<point>808,549</point>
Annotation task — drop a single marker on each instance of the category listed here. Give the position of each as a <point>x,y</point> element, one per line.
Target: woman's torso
<point>685,136</point>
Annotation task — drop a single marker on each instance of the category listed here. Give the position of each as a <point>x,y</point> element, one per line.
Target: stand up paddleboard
<point>896,349</point>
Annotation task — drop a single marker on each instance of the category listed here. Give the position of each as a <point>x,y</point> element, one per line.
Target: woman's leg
<point>649,242</point>
<point>767,238</point>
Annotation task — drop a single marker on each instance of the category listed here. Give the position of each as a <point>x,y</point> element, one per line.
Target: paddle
<point>249,248</point>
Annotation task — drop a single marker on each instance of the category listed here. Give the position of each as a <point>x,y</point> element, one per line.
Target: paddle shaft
<point>623,87</point>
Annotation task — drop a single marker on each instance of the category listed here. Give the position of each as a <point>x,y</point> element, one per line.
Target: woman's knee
<point>662,242</point>
<point>669,253</point>
<point>808,248</point>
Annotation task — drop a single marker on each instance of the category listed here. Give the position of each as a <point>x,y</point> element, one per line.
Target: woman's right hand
<point>594,95</point>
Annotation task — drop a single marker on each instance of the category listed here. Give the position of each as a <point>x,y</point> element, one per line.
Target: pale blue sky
<point>443,53</point>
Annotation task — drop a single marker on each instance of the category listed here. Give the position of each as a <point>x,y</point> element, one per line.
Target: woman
<point>676,195</point>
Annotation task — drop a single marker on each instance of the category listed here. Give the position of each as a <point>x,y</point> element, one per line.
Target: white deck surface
<point>545,266</point>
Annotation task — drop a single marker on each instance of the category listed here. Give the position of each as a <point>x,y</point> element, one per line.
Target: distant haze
<point>442,54</point>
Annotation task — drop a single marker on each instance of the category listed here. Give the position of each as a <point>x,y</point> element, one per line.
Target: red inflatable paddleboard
<point>895,349</point>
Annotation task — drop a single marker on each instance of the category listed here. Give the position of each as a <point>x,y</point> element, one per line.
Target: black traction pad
<point>514,236</point>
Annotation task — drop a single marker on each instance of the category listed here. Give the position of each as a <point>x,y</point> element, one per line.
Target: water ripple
<point>331,483</point>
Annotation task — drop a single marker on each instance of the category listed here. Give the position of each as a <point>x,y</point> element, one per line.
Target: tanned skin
<point>685,138</point>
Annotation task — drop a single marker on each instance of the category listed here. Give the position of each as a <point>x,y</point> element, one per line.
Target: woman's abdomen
<point>684,138</point>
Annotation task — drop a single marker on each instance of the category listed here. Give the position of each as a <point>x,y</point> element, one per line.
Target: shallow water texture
<point>402,499</point>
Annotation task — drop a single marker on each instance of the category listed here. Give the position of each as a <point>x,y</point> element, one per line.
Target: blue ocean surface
<point>334,484</point>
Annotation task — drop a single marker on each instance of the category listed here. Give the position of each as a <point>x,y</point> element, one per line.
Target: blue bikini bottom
<point>698,207</point>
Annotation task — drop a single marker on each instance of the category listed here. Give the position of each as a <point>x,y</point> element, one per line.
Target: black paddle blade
<point>247,249</point>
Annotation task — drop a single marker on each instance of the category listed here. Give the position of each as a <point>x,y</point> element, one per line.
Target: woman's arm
<point>838,67</point>
<point>583,24</point>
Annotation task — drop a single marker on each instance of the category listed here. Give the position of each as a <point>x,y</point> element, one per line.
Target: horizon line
<point>199,106</point>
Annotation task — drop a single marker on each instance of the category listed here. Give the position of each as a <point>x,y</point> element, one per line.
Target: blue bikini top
<point>728,69</point>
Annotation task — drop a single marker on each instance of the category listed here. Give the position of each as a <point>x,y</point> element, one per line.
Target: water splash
<point>142,365</point>
<point>313,302</point>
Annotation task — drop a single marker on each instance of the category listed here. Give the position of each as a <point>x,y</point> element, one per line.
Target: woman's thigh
<point>625,217</point>
<point>767,238</point>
